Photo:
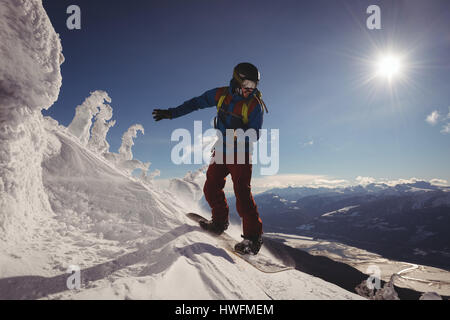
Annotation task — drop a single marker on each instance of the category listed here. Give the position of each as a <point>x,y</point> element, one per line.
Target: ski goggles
<point>248,85</point>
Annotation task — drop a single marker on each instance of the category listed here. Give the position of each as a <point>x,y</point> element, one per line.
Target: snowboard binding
<point>250,245</point>
<point>214,227</point>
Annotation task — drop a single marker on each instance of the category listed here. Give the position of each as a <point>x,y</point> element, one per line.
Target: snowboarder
<point>239,106</point>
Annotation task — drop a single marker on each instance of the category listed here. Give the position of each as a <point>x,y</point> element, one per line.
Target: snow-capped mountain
<point>406,221</point>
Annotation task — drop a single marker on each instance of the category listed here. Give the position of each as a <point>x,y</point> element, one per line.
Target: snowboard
<point>260,261</point>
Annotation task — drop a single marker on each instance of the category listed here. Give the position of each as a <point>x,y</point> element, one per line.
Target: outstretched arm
<point>204,101</point>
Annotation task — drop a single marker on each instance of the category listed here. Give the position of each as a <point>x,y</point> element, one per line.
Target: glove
<point>159,114</point>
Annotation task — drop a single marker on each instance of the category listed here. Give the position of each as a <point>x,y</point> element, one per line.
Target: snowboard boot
<point>214,227</point>
<point>250,245</point>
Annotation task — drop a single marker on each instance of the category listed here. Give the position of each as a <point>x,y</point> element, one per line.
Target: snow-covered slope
<point>133,241</point>
<point>65,204</point>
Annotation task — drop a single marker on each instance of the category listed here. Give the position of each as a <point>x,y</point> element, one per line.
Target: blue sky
<point>316,61</point>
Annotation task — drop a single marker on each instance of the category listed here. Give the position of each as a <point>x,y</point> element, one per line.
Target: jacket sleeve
<point>206,100</point>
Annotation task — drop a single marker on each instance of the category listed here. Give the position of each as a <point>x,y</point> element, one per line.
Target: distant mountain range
<point>407,222</point>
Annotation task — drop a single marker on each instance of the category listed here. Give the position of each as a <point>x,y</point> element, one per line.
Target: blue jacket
<point>225,119</point>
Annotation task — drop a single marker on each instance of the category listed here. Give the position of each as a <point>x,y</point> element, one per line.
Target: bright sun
<point>389,66</point>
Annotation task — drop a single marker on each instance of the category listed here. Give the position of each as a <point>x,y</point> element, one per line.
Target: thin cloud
<point>309,143</point>
<point>265,183</point>
<point>261,184</point>
<point>306,144</point>
<point>446,128</point>
<point>365,180</point>
<point>433,118</point>
<point>439,182</point>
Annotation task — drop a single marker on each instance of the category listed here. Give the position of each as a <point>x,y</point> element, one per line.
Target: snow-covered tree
<point>127,141</point>
<point>81,124</point>
<point>30,80</point>
<point>124,159</point>
<point>100,129</point>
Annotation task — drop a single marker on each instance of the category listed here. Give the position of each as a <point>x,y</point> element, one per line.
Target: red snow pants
<point>241,174</point>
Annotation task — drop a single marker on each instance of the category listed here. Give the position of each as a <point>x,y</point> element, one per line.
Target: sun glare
<point>389,66</point>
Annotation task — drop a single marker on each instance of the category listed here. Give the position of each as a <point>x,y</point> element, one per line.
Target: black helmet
<point>246,71</point>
